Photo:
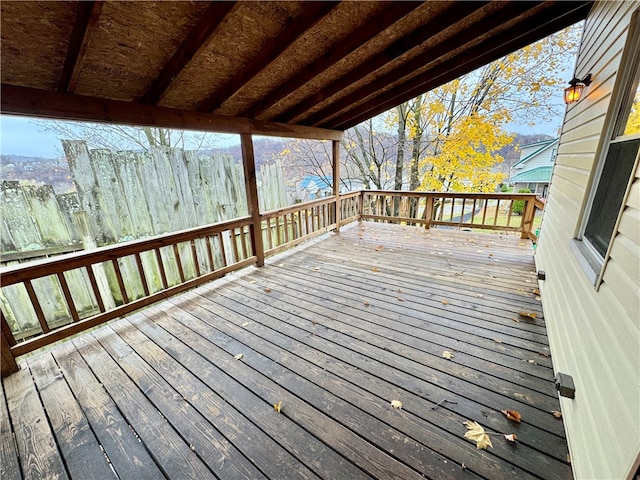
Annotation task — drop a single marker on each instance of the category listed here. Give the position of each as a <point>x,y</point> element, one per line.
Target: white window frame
<point>622,97</point>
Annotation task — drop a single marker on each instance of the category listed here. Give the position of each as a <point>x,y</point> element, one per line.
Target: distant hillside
<point>265,150</point>
<point>37,170</point>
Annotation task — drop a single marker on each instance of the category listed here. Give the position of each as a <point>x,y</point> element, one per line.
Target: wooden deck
<point>335,330</point>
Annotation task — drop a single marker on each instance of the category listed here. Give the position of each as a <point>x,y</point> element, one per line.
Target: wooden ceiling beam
<point>83,27</point>
<point>506,42</point>
<point>195,40</point>
<point>481,27</point>
<point>358,38</point>
<point>432,27</point>
<point>15,100</point>
<point>294,28</point>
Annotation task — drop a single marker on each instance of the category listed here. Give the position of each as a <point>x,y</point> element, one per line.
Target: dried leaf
<point>556,413</point>
<point>400,299</point>
<point>536,291</point>
<point>193,449</point>
<point>366,304</point>
<point>444,302</point>
<point>476,433</point>
<point>375,269</point>
<point>399,290</point>
<point>245,324</point>
<point>315,269</point>
<point>515,320</point>
<point>538,298</point>
<point>497,340</point>
<point>512,415</point>
<point>491,254</point>
<point>396,403</point>
<point>533,361</point>
<point>378,248</point>
<point>479,295</point>
<point>277,406</point>
<point>267,290</point>
<point>315,322</point>
<point>447,355</point>
<point>528,314</point>
<point>544,354</point>
<point>238,356</point>
<point>512,438</point>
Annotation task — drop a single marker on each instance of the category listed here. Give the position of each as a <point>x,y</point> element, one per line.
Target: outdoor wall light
<point>573,92</point>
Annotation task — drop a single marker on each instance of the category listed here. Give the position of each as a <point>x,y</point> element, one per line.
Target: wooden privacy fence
<point>164,265</point>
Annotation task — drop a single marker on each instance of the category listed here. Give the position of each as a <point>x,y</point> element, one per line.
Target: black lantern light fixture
<point>574,91</point>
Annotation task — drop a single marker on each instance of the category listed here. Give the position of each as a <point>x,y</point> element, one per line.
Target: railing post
<point>336,182</point>
<point>428,214</point>
<point>8,362</point>
<point>360,205</point>
<point>251,190</point>
<point>529,214</point>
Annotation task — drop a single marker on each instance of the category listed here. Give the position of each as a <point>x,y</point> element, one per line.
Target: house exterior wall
<point>543,158</point>
<point>594,333</point>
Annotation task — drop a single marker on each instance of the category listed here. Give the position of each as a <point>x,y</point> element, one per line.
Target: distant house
<point>312,187</point>
<point>533,170</point>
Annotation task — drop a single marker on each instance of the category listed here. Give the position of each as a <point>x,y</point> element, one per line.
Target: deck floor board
<point>334,329</point>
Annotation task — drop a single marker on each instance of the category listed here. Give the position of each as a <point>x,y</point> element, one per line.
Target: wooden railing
<point>121,278</point>
<point>286,227</point>
<point>489,211</point>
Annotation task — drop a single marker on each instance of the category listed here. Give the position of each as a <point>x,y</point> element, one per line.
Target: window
<point>619,156</point>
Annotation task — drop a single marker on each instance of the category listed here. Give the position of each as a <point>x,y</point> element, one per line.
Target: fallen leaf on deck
<point>400,299</point>
<point>521,244</point>
<point>444,302</point>
<point>447,355</point>
<point>315,269</point>
<point>479,295</point>
<point>366,304</point>
<point>476,433</point>
<point>399,290</point>
<point>533,361</point>
<point>378,248</point>
<point>277,406</point>
<point>556,413</point>
<point>245,324</point>
<point>544,354</point>
<point>536,291</point>
<point>515,320</point>
<point>497,340</point>
<point>267,290</point>
<point>192,447</point>
<point>512,415</point>
<point>375,269</point>
<point>491,254</point>
<point>528,281</point>
<point>252,282</point>
<point>238,356</point>
<point>528,314</point>
<point>512,438</point>
<point>314,322</point>
<point>538,298</point>
<point>396,403</point>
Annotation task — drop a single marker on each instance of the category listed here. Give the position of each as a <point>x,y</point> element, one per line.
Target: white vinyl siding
<point>594,335</point>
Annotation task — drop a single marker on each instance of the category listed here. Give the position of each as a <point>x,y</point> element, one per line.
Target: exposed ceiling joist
<point>506,42</point>
<point>86,20</point>
<point>417,63</point>
<point>333,56</point>
<point>434,25</point>
<point>64,106</point>
<point>197,37</point>
<point>295,28</point>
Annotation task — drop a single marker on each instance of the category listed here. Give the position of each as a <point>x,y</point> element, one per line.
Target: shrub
<point>518,205</point>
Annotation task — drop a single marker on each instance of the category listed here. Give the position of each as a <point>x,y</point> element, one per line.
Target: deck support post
<point>9,364</point>
<point>336,181</point>
<point>428,212</point>
<point>251,190</point>
<point>529,214</point>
